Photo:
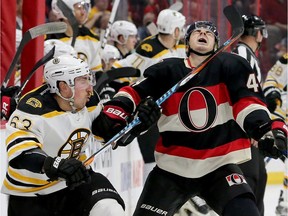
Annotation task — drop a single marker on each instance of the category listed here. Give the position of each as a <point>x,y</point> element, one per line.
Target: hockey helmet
<point>122,27</point>
<point>70,3</point>
<point>168,20</point>
<point>61,48</point>
<point>202,24</point>
<point>64,68</point>
<point>253,24</point>
<point>110,52</point>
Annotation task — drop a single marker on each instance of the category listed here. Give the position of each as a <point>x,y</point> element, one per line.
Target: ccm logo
<point>5,107</point>
<point>117,112</point>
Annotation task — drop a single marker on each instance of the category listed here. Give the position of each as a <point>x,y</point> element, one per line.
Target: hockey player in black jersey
<point>204,128</point>
<point>250,42</point>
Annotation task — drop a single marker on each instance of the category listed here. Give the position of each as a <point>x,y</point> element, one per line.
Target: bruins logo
<point>73,146</point>
<point>147,47</point>
<point>34,102</point>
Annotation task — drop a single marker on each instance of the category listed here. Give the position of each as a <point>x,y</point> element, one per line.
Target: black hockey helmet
<point>202,24</point>
<point>253,24</point>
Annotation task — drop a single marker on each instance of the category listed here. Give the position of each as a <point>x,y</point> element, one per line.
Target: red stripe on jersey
<point>197,101</point>
<point>132,92</point>
<point>244,103</point>
<point>202,154</point>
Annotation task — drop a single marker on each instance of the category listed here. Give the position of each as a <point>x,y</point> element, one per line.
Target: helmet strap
<point>198,53</point>
<point>70,100</point>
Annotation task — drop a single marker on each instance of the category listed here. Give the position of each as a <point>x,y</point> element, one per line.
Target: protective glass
<point>85,81</point>
<point>82,6</point>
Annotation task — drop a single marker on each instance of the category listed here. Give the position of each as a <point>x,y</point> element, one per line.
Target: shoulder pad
<point>284,58</point>
<point>35,101</point>
<point>150,47</point>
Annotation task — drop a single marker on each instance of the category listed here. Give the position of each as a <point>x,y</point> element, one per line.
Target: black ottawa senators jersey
<point>203,124</point>
<point>38,123</point>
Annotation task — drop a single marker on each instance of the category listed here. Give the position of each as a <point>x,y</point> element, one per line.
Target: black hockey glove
<point>149,113</point>
<point>112,119</point>
<point>72,170</point>
<point>8,102</point>
<point>274,143</point>
<point>273,98</point>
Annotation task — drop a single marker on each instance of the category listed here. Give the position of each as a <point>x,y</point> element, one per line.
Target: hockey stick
<point>71,18</point>
<point>235,20</point>
<point>177,6</point>
<point>48,28</point>
<point>40,63</point>
<point>113,74</point>
<point>110,22</point>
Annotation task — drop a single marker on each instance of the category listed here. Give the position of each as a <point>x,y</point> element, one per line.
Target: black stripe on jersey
<point>38,102</point>
<point>19,140</point>
<point>13,181</point>
<point>211,138</point>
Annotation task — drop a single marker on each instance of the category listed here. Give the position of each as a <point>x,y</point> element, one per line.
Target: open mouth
<point>202,40</point>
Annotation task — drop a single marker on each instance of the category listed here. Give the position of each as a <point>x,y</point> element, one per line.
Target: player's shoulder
<point>284,58</point>
<point>38,101</point>
<point>150,47</point>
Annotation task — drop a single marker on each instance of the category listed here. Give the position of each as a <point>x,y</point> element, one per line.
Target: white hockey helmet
<point>110,52</point>
<point>168,20</point>
<point>70,3</point>
<point>122,27</point>
<point>64,68</point>
<point>61,48</point>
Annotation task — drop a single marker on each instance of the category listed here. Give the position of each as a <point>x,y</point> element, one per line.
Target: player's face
<point>83,91</point>
<point>131,42</point>
<point>202,40</point>
<point>81,12</point>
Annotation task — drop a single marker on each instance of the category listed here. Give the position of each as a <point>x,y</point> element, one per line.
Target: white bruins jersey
<point>277,80</point>
<point>38,122</point>
<point>149,52</point>
<point>87,46</point>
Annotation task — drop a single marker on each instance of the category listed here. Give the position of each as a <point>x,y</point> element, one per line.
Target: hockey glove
<point>274,143</point>
<point>273,98</point>
<point>72,170</point>
<point>111,120</point>
<point>149,113</point>
<point>8,102</point>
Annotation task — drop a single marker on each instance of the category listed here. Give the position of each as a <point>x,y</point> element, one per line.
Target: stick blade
<point>48,28</point>
<point>235,19</point>
<point>177,6</point>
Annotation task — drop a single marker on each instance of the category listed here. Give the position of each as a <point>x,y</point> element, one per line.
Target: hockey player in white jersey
<point>275,90</point>
<point>87,43</point>
<point>61,48</point>
<point>124,37</point>
<point>46,139</point>
<point>170,24</point>
<point>109,55</point>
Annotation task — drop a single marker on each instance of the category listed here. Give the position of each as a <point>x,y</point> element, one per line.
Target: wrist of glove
<point>72,170</point>
<point>149,113</point>
<point>8,101</point>
<point>274,143</point>
<point>273,98</point>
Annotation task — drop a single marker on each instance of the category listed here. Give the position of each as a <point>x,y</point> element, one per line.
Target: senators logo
<point>235,179</point>
<point>73,146</point>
